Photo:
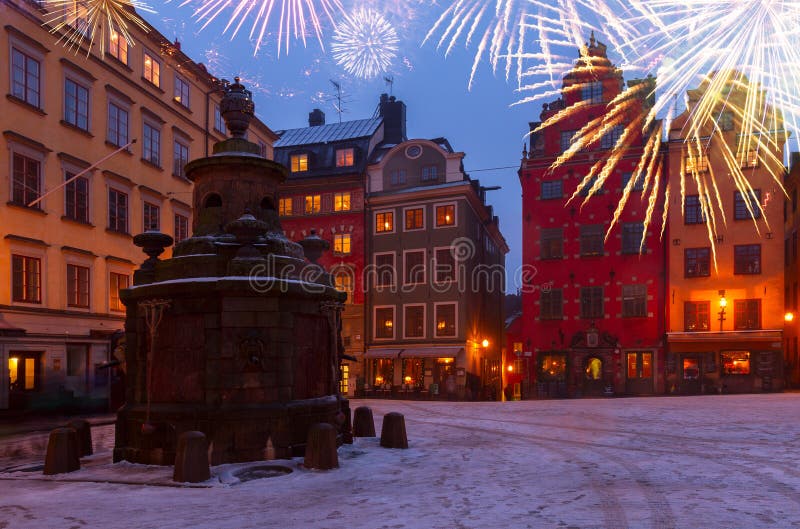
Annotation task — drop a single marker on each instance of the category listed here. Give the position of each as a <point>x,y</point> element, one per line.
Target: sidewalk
<point>12,425</point>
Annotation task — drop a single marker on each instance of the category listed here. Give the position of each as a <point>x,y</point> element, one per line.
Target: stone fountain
<point>237,334</point>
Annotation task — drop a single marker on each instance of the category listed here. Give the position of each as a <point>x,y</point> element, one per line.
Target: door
<point>24,371</point>
<point>691,374</point>
<point>593,383</point>
<point>445,377</point>
<point>639,372</point>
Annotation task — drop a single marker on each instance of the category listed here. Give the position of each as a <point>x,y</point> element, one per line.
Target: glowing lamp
<point>723,302</point>
<point>510,369</point>
<point>388,324</point>
<point>378,380</point>
<point>485,343</point>
<point>789,316</point>
<point>407,379</point>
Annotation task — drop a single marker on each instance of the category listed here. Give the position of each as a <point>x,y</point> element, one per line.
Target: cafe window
<point>383,372</point>
<point>344,379</point>
<point>285,206</point>
<point>696,315</point>
<point>691,369</point>
<point>639,365</point>
<point>553,367</point>
<point>735,362</point>
<point>413,373</point>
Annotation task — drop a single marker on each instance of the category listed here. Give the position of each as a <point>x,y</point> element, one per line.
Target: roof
<point>348,130</point>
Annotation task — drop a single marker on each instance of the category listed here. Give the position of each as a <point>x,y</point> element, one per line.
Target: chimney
<point>316,118</point>
<point>393,113</point>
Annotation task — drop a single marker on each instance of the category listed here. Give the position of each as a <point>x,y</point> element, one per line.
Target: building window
<point>152,217</point>
<point>118,47</point>
<point>551,304</point>
<point>415,219</point>
<point>344,379</point>
<point>25,78</point>
<point>445,265</point>
<point>118,282</point>
<point>77,286</point>
<point>445,215</point>
<point>740,205</point>
<point>151,147</point>
<point>747,314</point>
<point>592,302</point>
<point>638,185</point>
<point>77,198</point>
<point>747,151</point>
<point>697,262</point>
<point>735,362</point>
<point>414,321</point>
<point>117,125</point>
<point>429,173</point>
<point>26,279</point>
<point>747,259</point>
<point>299,162</point>
<point>592,240</point>
<point>592,92</point>
<point>384,270</point>
<point>445,320</point>
<point>181,92</point>
<point>632,233</point>
<point>76,104</point>
<point>345,157</point>
<point>610,138</point>
<point>696,315</point>
<point>181,227</point>
<point>180,157</point>
<point>552,243</point>
<point>634,301</point>
<point>343,281</point>
<point>152,69</point>
<point>695,161</point>
<point>567,137</point>
<point>219,121</point>
<point>552,189</point>
<point>640,365</point>
<point>26,184</point>
<point>285,206</point>
<point>341,201</point>
<point>341,244</point>
<point>397,177</point>
<point>693,210</point>
<point>384,322</point>
<point>384,222</point>
<point>414,266</point>
<point>117,211</point>
<point>313,204</point>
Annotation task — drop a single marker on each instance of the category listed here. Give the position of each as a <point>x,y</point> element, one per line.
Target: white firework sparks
<point>365,43</point>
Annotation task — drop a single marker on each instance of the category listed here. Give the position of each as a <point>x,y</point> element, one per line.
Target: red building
<point>593,306</point>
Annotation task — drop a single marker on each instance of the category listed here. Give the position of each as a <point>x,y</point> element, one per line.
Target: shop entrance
<point>691,374</point>
<point>24,370</point>
<point>593,383</point>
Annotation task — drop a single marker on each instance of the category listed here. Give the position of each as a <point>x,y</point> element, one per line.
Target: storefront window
<point>640,365</point>
<point>554,367</point>
<point>691,369</point>
<point>412,372</point>
<point>594,369</point>
<point>383,372</point>
<point>735,362</point>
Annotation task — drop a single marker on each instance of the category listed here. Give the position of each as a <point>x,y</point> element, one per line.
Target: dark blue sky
<point>479,122</point>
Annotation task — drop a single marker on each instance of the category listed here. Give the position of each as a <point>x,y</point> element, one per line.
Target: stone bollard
<point>191,458</point>
<point>84,431</point>
<point>63,453</point>
<point>321,447</point>
<point>393,433</point>
<point>363,423</point>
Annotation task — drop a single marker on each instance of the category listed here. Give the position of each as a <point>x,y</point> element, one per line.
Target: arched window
<point>213,201</point>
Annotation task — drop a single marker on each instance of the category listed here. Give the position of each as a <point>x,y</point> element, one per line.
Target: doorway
<point>691,374</point>
<point>593,384</point>
<point>24,371</point>
<point>639,372</point>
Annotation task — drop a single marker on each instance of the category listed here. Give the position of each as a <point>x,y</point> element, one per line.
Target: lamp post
<point>722,304</point>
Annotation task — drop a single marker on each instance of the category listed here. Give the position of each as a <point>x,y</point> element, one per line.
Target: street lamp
<point>485,343</point>
<point>722,304</point>
<point>788,317</point>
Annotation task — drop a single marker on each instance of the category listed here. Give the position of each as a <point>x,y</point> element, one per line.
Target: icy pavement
<point>694,462</point>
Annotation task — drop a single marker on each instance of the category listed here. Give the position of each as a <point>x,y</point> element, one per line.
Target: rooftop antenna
<point>338,104</point>
<point>390,82</point>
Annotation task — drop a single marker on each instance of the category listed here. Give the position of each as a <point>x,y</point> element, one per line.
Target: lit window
<point>151,216</point>
<point>76,104</point>
<point>77,286</point>
<point>118,47</point>
<point>345,157</point>
<point>735,362</point>
<point>118,282</point>
<point>181,92</point>
<point>384,322</point>
<point>285,206</point>
<point>343,280</point>
<point>446,215</point>
<point>341,202</point>
<point>341,244</point>
<point>26,279</point>
<point>415,219</point>
<point>384,222</point>
<point>640,365</point>
<point>152,69</point>
<point>181,227</point>
<point>344,379</point>
<point>313,204</point>
<point>445,320</point>
<point>299,163</point>
<point>25,78</point>
<point>695,161</point>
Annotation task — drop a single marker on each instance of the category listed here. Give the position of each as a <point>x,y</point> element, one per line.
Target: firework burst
<point>92,21</point>
<point>743,54</point>
<point>364,43</point>
<point>296,18</point>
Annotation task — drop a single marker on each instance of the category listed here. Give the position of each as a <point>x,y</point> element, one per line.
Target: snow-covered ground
<point>694,462</point>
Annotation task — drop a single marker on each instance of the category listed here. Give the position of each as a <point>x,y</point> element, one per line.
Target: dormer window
<point>429,173</point>
<point>345,157</point>
<point>299,163</point>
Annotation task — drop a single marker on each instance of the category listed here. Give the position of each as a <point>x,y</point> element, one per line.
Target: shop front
<point>418,373</point>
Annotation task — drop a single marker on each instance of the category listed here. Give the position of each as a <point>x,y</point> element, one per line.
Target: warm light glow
<point>445,360</point>
<point>789,316</point>
<point>386,226</point>
<point>485,343</point>
<point>723,302</point>
<point>388,324</point>
<point>147,61</point>
<point>13,365</point>
<point>378,380</point>
<point>510,369</point>
<point>447,218</point>
<point>408,379</point>
<point>440,324</point>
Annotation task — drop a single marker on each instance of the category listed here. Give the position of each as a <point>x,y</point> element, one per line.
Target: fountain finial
<point>237,108</point>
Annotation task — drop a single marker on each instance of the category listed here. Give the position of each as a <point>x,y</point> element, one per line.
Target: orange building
<point>791,219</point>
<point>725,304</point>
<point>64,259</point>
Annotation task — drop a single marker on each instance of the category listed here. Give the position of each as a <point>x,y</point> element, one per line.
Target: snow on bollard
<point>191,458</point>
<point>63,454</point>
<point>84,431</point>
<point>363,423</point>
<point>393,433</point>
<point>321,447</point>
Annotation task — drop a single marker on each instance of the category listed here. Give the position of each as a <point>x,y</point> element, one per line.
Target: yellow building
<point>64,259</point>
<point>725,303</point>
